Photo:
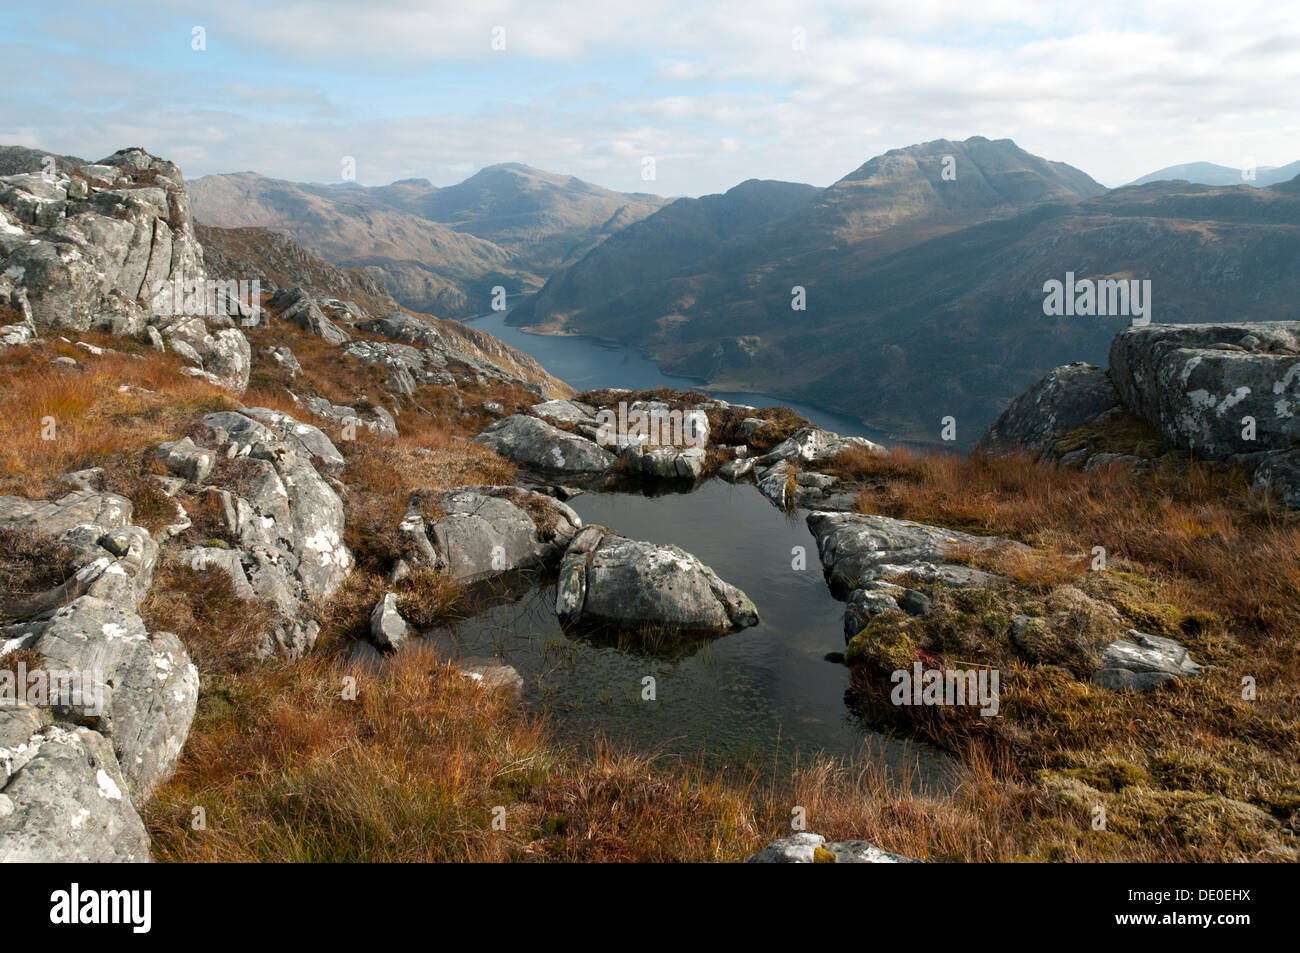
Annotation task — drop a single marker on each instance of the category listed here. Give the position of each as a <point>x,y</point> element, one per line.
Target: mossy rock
<point>884,644</point>
<point>823,856</point>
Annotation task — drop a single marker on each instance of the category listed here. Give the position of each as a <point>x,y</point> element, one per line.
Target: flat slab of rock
<point>536,444</point>
<point>607,579</point>
<point>493,675</point>
<point>856,549</point>
<point>807,848</point>
<point>1143,662</point>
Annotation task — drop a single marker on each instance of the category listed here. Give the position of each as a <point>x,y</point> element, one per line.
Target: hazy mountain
<point>938,285</point>
<point>438,250</point>
<point>1207,173</point>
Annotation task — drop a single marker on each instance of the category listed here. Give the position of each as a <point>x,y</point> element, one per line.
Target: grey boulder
<point>536,444</point>
<point>606,579</point>
<point>1066,397</point>
<point>1143,662</point>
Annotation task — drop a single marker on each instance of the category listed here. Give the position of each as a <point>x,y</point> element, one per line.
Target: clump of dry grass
<point>55,419</point>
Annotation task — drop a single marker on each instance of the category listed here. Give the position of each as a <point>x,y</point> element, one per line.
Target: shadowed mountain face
<point>438,250</point>
<point>924,295</point>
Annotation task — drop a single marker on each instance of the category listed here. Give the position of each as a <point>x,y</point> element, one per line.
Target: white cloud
<point>715,91</point>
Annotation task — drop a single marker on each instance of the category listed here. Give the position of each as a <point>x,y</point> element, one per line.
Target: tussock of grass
<point>1191,552</point>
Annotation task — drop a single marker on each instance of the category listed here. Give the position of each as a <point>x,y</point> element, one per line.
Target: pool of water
<point>744,696</point>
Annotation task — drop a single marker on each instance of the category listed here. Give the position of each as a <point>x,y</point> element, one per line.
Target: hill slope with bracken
<point>438,250</point>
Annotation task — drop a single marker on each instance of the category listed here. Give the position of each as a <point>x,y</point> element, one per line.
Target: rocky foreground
<point>252,488</point>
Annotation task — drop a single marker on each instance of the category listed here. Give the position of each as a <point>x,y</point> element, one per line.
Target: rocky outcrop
<point>1066,398</point>
<point>607,579</point>
<point>1227,392</point>
<point>537,445</point>
<point>83,249</point>
<point>63,798</point>
<point>1143,662</point>
<point>138,688</point>
<point>1196,382</point>
<point>856,549</point>
<point>117,702</point>
<point>298,307</point>
<point>285,517</point>
<point>111,246</point>
<point>223,357</point>
<point>788,476</point>
<point>435,355</point>
<point>807,848</point>
<point>483,531</point>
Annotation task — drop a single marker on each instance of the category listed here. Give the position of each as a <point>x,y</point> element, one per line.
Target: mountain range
<point>909,291</point>
<point>438,250</point>
<point>1208,173</point>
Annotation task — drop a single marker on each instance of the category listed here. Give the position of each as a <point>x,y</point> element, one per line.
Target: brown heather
<point>287,769</point>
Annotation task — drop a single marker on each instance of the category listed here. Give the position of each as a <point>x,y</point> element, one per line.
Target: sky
<point>715,93</point>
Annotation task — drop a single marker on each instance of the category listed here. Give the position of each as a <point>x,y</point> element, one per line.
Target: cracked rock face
<point>1195,383</point>
<point>606,579</point>
<point>85,251</point>
<point>141,689</point>
<point>287,519</point>
<point>538,445</point>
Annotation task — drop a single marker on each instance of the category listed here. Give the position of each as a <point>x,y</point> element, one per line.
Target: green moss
<point>1126,433</point>
<point>884,644</point>
<point>1109,776</point>
<point>823,856</point>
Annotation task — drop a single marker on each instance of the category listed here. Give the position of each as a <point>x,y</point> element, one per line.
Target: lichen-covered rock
<point>787,474</point>
<point>536,444</point>
<point>606,579</point>
<point>140,689</point>
<point>298,307</point>
<point>1066,397</point>
<point>856,549</point>
<point>186,459</point>
<point>63,798</point>
<point>813,445</point>
<point>84,253</point>
<point>1279,475</point>
<point>807,848</point>
<point>287,518</point>
<point>376,419</point>
<point>1143,662</point>
<point>1196,383</point>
